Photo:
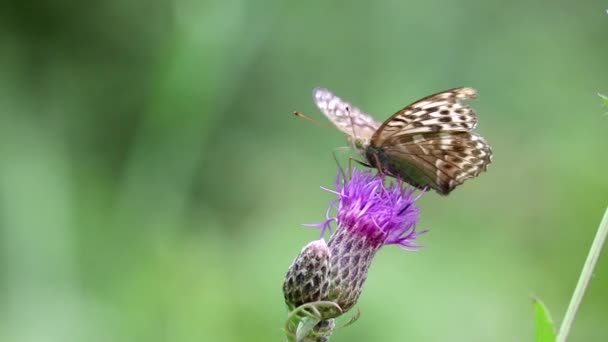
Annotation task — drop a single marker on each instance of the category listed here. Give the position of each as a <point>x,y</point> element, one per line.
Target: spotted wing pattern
<point>430,143</point>
<point>441,112</point>
<point>440,161</point>
<point>347,118</point>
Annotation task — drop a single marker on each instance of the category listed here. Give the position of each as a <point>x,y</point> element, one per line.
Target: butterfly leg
<point>333,153</point>
<point>350,160</point>
<point>360,162</point>
<point>350,164</point>
<point>377,165</point>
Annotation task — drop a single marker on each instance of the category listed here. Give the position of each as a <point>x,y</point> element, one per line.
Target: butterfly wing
<point>430,144</point>
<point>347,118</point>
<point>441,161</point>
<point>441,112</point>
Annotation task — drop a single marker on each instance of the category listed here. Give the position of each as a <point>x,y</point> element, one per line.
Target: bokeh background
<point>153,179</point>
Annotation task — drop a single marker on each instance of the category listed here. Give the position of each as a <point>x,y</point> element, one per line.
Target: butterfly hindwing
<point>445,160</point>
<point>347,118</point>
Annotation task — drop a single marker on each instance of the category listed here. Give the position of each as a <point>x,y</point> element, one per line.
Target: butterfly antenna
<point>352,126</point>
<point>311,120</point>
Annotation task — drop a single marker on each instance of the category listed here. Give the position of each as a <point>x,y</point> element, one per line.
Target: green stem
<point>583,281</point>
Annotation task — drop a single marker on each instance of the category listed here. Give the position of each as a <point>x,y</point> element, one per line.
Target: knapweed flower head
<point>370,211</point>
<point>384,213</point>
<point>307,280</point>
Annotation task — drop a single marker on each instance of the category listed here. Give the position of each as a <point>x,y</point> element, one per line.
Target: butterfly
<point>428,144</point>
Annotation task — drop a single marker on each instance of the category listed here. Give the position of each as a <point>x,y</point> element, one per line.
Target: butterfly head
<point>359,144</point>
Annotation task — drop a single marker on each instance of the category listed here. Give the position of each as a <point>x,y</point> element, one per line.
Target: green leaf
<point>545,331</point>
<point>604,98</point>
<point>305,329</point>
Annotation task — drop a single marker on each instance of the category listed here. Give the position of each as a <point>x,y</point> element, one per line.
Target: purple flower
<point>370,212</point>
<point>366,205</point>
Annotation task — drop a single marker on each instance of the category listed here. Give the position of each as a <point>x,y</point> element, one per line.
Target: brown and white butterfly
<point>428,144</point>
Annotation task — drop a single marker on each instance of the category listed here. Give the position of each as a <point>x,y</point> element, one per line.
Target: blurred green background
<point>153,179</point>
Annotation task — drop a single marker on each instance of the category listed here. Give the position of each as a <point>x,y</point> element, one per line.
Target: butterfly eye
<point>359,143</point>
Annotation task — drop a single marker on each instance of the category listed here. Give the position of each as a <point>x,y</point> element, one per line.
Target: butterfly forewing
<point>347,118</point>
<point>441,112</point>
